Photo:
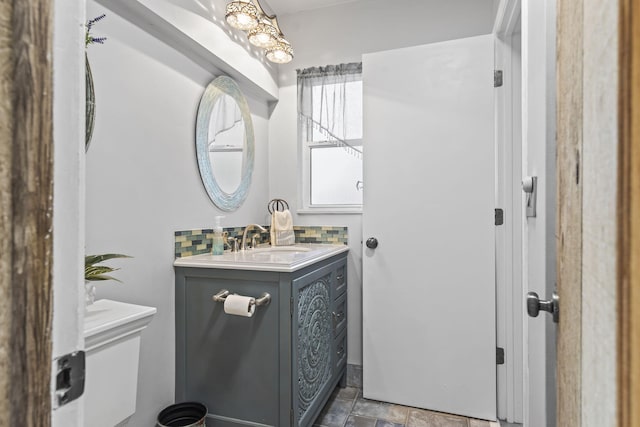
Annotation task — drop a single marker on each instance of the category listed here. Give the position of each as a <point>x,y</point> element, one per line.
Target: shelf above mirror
<point>194,34</point>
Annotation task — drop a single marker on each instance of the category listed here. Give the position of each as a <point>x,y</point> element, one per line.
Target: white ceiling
<point>283,7</point>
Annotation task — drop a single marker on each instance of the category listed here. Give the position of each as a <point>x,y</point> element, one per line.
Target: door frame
<point>539,249</point>
<point>509,293</point>
<point>584,28</point>
<point>26,203</point>
<point>68,192</point>
<point>569,209</point>
<point>41,279</point>
<point>628,208</point>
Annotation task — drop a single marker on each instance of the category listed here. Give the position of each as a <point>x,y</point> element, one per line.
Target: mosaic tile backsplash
<point>196,242</point>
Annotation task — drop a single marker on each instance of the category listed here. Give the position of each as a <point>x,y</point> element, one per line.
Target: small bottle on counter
<point>218,238</point>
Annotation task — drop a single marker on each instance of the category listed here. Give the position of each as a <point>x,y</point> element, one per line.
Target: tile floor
<point>347,408</point>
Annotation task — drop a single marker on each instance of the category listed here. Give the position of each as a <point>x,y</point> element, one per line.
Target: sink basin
<point>267,258</point>
<point>281,249</point>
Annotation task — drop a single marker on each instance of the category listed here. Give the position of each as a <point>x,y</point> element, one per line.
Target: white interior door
<point>429,287</point>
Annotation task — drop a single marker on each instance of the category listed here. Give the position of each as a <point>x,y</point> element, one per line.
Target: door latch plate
<point>70,375</point>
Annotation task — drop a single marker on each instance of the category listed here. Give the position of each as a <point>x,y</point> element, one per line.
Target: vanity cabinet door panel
<point>231,356</point>
<point>340,351</point>
<point>312,340</point>
<point>339,314</point>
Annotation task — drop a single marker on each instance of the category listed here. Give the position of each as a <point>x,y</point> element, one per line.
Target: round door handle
<point>535,305</point>
<point>372,243</point>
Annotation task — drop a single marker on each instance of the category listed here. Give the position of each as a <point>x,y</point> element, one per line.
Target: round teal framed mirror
<point>225,143</point>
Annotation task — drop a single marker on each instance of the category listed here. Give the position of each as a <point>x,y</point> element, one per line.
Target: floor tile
<point>422,418</point>
<point>382,423</point>
<point>347,393</point>
<point>354,376</point>
<point>356,421</point>
<point>348,408</point>
<point>381,410</point>
<point>335,413</point>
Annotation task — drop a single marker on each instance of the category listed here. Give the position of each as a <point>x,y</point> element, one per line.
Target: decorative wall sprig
<point>89,39</point>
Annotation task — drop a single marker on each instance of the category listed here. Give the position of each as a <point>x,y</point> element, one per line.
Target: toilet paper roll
<point>239,305</point>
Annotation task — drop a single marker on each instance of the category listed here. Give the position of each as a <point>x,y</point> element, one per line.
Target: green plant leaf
<point>99,269</point>
<point>94,272</point>
<point>95,259</point>
<point>100,277</point>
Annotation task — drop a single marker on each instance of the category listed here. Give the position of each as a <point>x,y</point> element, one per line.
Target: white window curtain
<point>330,105</point>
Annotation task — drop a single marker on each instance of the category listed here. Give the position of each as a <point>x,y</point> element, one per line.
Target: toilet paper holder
<point>263,299</point>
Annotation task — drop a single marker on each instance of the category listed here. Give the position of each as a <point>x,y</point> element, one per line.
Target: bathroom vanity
<point>278,367</point>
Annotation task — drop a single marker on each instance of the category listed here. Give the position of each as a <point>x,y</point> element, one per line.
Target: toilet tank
<point>112,332</point>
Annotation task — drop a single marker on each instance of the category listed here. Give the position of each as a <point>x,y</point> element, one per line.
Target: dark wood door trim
<point>26,162</point>
<point>628,266</point>
<point>6,146</point>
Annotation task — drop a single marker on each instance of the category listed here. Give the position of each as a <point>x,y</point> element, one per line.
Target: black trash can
<point>186,414</point>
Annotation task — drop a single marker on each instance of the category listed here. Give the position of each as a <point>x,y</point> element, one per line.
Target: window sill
<point>329,211</point>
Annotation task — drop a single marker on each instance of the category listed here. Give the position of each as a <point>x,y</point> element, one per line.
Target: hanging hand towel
<point>282,228</point>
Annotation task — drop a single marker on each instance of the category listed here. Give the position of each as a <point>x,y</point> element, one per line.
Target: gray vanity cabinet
<point>277,368</point>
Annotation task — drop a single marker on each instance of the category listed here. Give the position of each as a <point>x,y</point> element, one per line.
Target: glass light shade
<point>281,53</point>
<point>264,35</point>
<point>242,15</point>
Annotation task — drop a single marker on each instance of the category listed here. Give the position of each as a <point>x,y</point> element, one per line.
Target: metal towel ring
<point>277,205</point>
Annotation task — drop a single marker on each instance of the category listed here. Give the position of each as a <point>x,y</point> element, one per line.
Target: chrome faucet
<point>244,234</point>
<point>233,243</point>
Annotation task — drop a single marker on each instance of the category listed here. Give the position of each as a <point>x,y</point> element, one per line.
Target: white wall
<point>142,182</point>
<point>342,34</point>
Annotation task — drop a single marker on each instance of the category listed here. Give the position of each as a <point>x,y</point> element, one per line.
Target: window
<point>330,138</point>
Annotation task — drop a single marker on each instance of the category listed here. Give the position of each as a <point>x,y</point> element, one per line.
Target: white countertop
<point>279,258</point>
<point>106,320</point>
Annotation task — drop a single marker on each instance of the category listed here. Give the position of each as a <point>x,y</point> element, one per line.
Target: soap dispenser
<point>218,238</point>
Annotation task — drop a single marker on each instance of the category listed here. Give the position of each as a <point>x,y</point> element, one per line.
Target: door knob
<point>535,304</point>
<point>372,243</point>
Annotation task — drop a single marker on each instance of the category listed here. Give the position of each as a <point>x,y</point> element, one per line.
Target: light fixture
<point>264,35</point>
<point>263,30</point>
<point>281,52</point>
<point>242,15</point>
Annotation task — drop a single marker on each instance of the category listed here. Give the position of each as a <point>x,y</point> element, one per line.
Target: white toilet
<point>112,344</point>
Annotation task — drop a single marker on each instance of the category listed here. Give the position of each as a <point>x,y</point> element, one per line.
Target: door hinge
<point>499,217</point>
<point>499,356</point>
<point>70,372</point>
<point>291,307</point>
<point>291,417</point>
<point>497,78</point>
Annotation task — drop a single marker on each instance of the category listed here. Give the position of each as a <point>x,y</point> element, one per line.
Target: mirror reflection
<point>226,143</point>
